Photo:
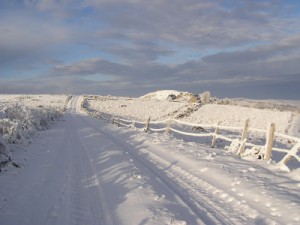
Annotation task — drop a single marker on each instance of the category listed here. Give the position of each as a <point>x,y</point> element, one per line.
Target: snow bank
<point>21,122</point>
<point>22,116</point>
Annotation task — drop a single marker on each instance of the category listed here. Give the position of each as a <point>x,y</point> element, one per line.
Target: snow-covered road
<point>84,171</point>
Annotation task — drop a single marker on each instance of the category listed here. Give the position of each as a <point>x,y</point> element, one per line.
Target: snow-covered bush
<point>4,158</point>
<point>2,115</point>
<point>18,122</point>
<point>234,146</point>
<point>21,122</point>
<point>205,97</point>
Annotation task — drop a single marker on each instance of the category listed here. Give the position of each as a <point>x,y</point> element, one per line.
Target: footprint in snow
<point>268,204</point>
<point>203,169</point>
<point>251,169</point>
<point>158,198</point>
<point>236,182</point>
<point>137,175</point>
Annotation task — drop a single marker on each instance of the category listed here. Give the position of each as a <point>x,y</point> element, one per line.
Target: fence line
<point>267,149</point>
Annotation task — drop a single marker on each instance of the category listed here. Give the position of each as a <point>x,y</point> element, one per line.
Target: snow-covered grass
<point>230,115</point>
<point>22,116</point>
<point>134,108</point>
<point>35,101</point>
<point>227,115</point>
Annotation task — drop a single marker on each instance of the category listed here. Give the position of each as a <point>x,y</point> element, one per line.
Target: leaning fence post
<point>113,120</point>
<point>269,141</point>
<point>214,139</point>
<point>289,155</point>
<point>244,136</point>
<point>118,121</point>
<point>168,126</point>
<point>147,124</point>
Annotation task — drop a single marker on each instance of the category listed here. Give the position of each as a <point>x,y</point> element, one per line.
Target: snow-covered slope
<point>171,95</point>
<point>161,95</point>
<point>229,115</point>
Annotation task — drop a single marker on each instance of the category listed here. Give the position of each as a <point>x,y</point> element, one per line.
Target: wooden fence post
<point>214,139</point>
<point>113,120</point>
<point>244,136</point>
<point>168,126</point>
<point>147,124</point>
<point>118,122</point>
<point>269,141</point>
<point>289,155</point>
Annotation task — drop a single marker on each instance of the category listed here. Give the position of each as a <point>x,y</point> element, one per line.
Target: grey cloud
<point>277,88</point>
<point>194,24</point>
<point>91,67</point>
<point>123,73</point>
<point>130,25</point>
<point>190,22</point>
<point>189,72</point>
<point>256,54</point>
<point>25,38</point>
<point>139,52</point>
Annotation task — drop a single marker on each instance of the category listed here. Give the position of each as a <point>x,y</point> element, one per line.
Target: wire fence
<point>264,144</point>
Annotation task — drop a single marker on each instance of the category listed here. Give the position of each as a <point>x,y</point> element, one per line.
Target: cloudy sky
<point>233,48</point>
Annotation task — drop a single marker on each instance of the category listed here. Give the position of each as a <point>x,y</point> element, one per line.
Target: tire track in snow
<point>87,201</point>
<point>201,212</point>
<point>218,203</point>
<point>78,202</point>
<point>211,204</point>
<point>80,199</point>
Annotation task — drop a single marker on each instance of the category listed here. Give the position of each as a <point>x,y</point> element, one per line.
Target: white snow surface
<point>86,171</point>
<point>226,115</point>
<point>134,108</point>
<point>161,95</point>
<point>230,115</point>
<point>57,101</point>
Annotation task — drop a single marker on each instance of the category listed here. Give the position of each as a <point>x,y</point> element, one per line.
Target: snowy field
<point>230,115</point>
<point>158,107</point>
<point>57,101</point>
<point>83,170</point>
<point>134,108</point>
